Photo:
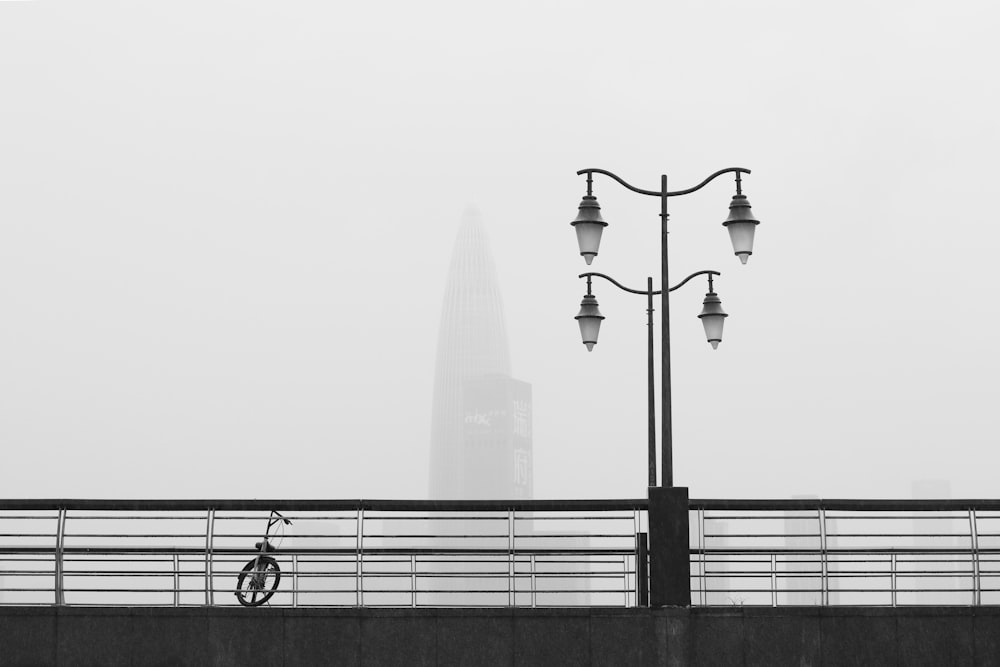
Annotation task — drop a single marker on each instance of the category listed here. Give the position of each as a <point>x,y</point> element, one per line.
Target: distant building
<point>496,437</point>
<point>944,578</point>
<point>481,417</point>
<point>801,582</point>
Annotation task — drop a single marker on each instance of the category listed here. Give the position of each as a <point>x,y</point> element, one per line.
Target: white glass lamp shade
<point>589,226</point>
<point>588,235</point>
<point>589,320</point>
<point>741,225</point>
<point>713,318</point>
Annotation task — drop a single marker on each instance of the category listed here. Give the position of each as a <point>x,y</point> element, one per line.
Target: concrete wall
<point>471,637</point>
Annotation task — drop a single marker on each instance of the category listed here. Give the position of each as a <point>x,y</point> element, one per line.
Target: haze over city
<point>225,230</point>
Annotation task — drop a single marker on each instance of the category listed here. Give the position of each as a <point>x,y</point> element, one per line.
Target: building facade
<point>481,444</point>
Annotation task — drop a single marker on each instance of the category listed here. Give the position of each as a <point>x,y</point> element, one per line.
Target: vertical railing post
<point>774,580</point>
<point>703,593</point>
<point>209,560</point>
<point>642,570</point>
<point>59,596</point>
<point>533,584</point>
<point>625,586</point>
<point>295,580</point>
<point>977,595</point>
<point>669,547</point>
<point>511,582</point>
<point>824,565</point>
<point>359,595</point>
<point>177,580</point>
<point>413,580</point>
<point>635,551</point>
<point>892,576</point>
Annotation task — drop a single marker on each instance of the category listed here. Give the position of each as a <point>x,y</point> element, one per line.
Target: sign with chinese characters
<point>496,430</point>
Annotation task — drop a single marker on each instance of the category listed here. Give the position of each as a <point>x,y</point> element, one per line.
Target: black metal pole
<point>651,375</point>
<point>642,567</point>
<point>652,384</point>
<point>667,478</point>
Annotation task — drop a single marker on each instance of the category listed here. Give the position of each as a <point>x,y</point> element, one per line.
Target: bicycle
<point>259,578</point>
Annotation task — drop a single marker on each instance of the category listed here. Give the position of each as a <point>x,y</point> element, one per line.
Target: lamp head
<point>712,318</point>
<point>741,225</point>
<point>589,319</point>
<point>589,226</point>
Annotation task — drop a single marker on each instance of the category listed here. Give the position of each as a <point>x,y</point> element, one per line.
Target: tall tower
<point>481,417</point>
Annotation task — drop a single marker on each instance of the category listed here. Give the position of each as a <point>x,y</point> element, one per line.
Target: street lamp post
<point>589,227</point>
<point>712,317</point>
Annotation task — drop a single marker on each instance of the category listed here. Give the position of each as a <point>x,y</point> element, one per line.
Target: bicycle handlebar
<point>288,522</point>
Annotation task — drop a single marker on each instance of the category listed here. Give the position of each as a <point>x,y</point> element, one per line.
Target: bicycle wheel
<point>258,581</point>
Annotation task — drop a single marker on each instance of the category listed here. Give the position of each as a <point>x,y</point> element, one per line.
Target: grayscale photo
<point>533,333</point>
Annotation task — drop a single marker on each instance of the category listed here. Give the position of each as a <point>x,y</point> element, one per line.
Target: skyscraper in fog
<point>481,417</point>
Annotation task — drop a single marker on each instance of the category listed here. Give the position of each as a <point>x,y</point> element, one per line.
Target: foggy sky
<point>225,229</point>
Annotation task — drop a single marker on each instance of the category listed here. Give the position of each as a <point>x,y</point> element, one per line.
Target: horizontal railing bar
<point>478,536</point>
<point>159,536</point>
<point>490,575</point>
<point>192,516</point>
<point>843,574</point>
<point>471,550</point>
<point>838,550</point>
<point>815,558</point>
<point>831,535</point>
<point>854,515</point>
<point>136,573</point>
<point>326,505</point>
<point>861,505</point>
<point>497,516</point>
<point>783,536</point>
<point>153,551</point>
<point>864,505</point>
<point>317,550</point>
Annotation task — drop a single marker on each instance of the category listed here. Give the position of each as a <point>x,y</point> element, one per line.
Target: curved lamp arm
<point>645,292</point>
<point>696,273</point>
<point>657,193</point>
<point>613,282</point>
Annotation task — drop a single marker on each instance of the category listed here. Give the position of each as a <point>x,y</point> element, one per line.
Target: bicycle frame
<point>274,518</point>
<point>258,568</point>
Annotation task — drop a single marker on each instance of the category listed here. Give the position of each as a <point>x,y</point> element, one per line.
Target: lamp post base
<point>669,547</point>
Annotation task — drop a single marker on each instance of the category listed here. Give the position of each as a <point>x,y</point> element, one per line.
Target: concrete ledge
<point>521,637</point>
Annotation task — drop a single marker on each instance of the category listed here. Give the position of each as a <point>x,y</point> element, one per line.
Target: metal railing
<point>335,553</point>
<point>484,553</point>
<point>845,552</point>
